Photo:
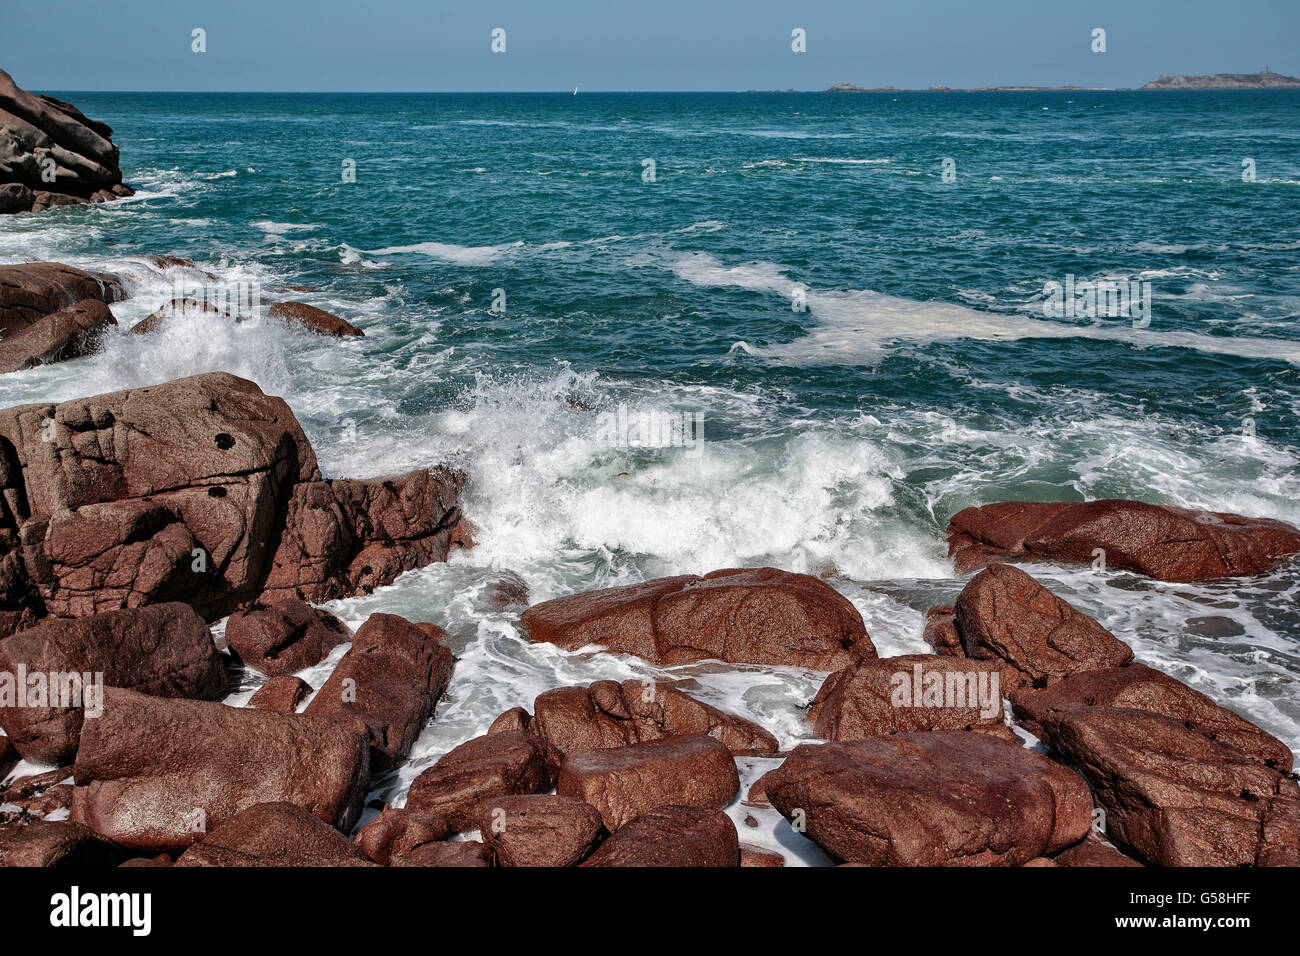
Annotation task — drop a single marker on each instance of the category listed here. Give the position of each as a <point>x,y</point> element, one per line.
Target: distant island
<point>1267,80</point>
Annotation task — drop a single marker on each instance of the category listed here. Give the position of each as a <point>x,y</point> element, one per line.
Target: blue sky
<point>629,45</point>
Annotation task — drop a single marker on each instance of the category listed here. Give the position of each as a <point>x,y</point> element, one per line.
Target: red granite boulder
<point>273,834</point>
<point>56,843</point>
<point>313,319</point>
<point>539,829</point>
<point>396,833</point>
<point>939,798</point>
<point>281,694</point>
<point>753,616</point>
<point>1161,541</point>
<point>671,836</point>
<point>66,334</point>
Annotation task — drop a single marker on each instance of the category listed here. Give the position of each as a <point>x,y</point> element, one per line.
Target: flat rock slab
<point>623,783</point>
<point>1173,796</point>
<point>274,834</point>
<point>612,714</point>
<point>1004,614</point>
<point>755,616</point>
<point>1160,541</point>
<point>672,836</point>
<point>156,774</point>
<point>164,650</point>
<point>941,798</point>
<point>281,694</point>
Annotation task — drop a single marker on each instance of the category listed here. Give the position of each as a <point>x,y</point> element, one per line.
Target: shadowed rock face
<point>284,637</point>
<point>1175,797</point>
<point>756,616</point>
<point>68,333</point>
<point>51,154</point>
<point>56,843</point>
<point>155,774</point>
<point>165,650</point>
<point>202,490</point>
<point>274,834</point>
<point>1172,544</point>
<point>672,836</point>
<point>31,291</point>
<point>940,798</point>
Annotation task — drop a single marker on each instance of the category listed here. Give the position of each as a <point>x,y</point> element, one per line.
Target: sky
<point>433,45</point>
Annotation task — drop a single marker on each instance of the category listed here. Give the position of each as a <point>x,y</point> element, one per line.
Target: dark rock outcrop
<point>56,843</point>
<point>1161,541</point>
<point>274,834</point>
<point>915,692</point>
<point>31,291</point>
<point>940,798</point>
<point>284,637</point>
<point>494,765</point>
<point>68,333</point>
<point>398,833</point>
<point>1173,796</point>
<point>453,853</point>
<point>754,616</point>
<point>609,714</point>
<point>1093,852</point>
<point>387,684</point>
<point>623,783</point>
<point>156,774</point>
<point>51,154</point>
<point>671,836</point>
<point>202,490</point>
<point>539,829</point>
<point>1004,614</point>
<point>165,650</point>
<point>313,319</point>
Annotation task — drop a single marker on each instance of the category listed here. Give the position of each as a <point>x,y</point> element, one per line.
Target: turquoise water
<point>920,376</point>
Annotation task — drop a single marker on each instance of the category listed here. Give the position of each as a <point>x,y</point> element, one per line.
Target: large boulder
<point>156,774</point>
<point>56,843</point>
<point>165,650</point>
<point>387,684</point>
<point>51,154</point>
<point>68,333</point>
<point>494,765</point>
<point>755,616</point>
<point>914,692</point>
<point>281,694</point>
<point>671,836</point>
<point>539,829</point>
<point>1139,687</point>
<point>939,798</point>
<point>623,783</point>
<point>274,834</point>
<point>203,490</point>
<point>396,833</point>
<point>1175,797</point>
<point>31,291</point>
<point>609,714</point>
<point>1004,614</point>
<point>284,637</point>
<point>1161,541</point>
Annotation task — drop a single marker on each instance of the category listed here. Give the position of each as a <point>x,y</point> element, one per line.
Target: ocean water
<point>856,345</point>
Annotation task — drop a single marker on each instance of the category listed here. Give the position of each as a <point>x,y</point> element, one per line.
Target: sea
<point>668,333</point>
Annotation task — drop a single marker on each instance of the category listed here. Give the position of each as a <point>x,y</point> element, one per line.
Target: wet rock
<point>671,836</point>
<point>941,632</point>
<point>1004,614</point>
<point>56,843</point>
<point>397,832</point>
<point>51,154</point>
<point>609,714</point>
<point>1143,688</point>
<point>281,694</point>
<point>623,783</point>
<point>939,798</point>
<point>494,765</point>
<point>8,756</point>
<point>155,774</point>
<point>273,834</point>
<point>165,650</point>
<point>755,616</point>
<point>1161,541</point>
<point>30,291</point>
<point>67,334</point>
<point>313,319</point>
<point>914,692</point>
<point>1173,796</point>
<point>539,829</point>
<point>752,855</point>
<point>284,637</point>
<point>388,683</point>
<point>182,306</point>
<point>40,794</point>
